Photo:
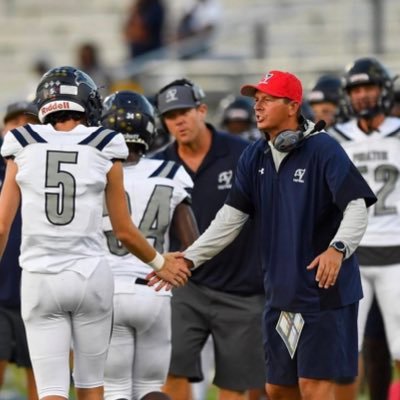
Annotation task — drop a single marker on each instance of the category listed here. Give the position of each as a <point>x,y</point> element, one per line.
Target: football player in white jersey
<point>372,140</point>
<point>60,172</point>
<point>139,354</point>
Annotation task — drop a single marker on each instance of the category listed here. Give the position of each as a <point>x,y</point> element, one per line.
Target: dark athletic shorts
<point>13,344</point>
<point>235,325</point>
<point>327,348</point>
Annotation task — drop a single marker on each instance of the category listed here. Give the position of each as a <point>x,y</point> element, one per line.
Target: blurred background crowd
<point>220,44</point>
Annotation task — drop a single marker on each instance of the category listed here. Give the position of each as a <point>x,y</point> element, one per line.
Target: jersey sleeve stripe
<point>25,135</point>
<point>18,135</point>
<point>106,140</point>
<point>339,135</point>
<point>34,134</point>
<point>167,169</point>
<point>100,138</point>
<point>91,136</point>
<point>394,133</point>
<point>173,171</point>
<point>158,171</point>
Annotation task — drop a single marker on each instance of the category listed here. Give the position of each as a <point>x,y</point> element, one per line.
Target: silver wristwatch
<point>339,246</point>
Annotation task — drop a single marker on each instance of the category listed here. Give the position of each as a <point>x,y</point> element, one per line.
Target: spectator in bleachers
<point>40,67</point>
<point>197,26</point>
<point>88,60</point>
<point>143,29</point>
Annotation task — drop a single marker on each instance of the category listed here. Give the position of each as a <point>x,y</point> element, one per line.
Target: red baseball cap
<point>277,84</point>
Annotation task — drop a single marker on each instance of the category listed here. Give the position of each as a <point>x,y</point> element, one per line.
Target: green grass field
<point>212,395</point>
<point>14,387</point>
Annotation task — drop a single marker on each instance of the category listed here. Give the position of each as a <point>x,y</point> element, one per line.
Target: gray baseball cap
<point>20,107</point>
<point>175,98</point>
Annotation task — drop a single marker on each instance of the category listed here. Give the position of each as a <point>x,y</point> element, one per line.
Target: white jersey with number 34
<point>154,188</point>
<point>377,156</point>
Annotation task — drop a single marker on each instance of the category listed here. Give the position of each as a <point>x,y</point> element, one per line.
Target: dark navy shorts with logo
<point>327,347</point>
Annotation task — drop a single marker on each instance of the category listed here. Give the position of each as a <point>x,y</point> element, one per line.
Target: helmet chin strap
<point>369,113</point>
<point>367,121</point>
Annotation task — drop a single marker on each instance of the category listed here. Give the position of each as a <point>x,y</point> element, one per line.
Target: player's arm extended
<point>10,198</point>
<point>171,269</point>
<point>225,227</point>
<point>184,225</point>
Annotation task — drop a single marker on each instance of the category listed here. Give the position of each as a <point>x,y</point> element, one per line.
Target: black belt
<point>141,281</point>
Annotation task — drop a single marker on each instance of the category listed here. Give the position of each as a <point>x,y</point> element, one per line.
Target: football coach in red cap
<point>310,203</point>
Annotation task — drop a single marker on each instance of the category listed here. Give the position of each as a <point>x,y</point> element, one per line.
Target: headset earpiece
<point>288,140</point>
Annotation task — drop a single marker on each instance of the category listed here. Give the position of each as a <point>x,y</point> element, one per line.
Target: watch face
<point>339,246</point>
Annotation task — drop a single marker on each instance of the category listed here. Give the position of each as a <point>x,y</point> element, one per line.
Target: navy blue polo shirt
<point>300,208</point>
<point>237,269</point>
<point>10,271</point>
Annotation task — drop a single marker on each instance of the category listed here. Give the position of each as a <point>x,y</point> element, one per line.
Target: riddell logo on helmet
<point>56,106</point>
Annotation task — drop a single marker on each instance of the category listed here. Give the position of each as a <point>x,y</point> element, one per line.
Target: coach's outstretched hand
<point>328,263</point>
<point>174,273</point>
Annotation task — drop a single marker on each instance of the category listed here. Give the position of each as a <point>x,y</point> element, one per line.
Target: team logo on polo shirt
<point>225,180</point>
<point>298,175</point>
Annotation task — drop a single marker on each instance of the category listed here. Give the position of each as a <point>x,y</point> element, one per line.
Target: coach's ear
<point>203,110</point>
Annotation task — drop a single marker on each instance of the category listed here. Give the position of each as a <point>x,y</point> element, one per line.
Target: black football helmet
<point>366,71</point>
<point>68,89</point>
<point>328,88</point>
<point>131,114</point>
<point>238,109</point>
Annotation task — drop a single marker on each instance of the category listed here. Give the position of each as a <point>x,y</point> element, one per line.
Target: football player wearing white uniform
<point>325,100</point>
<point>372,140</point>
<point>61,171</point>
<point>157,198</point>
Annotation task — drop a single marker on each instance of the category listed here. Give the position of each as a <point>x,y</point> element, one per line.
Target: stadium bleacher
<point>307,37</point>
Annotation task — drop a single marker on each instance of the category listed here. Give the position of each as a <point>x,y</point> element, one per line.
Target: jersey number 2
<point>388,175</point>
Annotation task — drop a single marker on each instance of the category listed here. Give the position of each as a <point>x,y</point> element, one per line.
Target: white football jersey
<point>377,157</point>
<point>154,188</point>
<point>62,176</point>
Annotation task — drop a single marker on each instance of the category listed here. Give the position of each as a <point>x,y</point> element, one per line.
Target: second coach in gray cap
<point>179,94</point>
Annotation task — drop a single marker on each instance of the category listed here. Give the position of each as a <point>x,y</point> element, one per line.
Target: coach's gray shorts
<point>235,325</point>
<point>13,344</point>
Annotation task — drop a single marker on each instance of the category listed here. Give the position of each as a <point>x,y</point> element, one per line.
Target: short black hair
<point>65,115</point>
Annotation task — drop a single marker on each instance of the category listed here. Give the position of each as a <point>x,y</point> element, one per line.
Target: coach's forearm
<point>353,226</point>
<point>222,231</point>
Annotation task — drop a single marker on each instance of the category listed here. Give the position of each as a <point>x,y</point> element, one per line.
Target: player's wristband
<point>157,262</point>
